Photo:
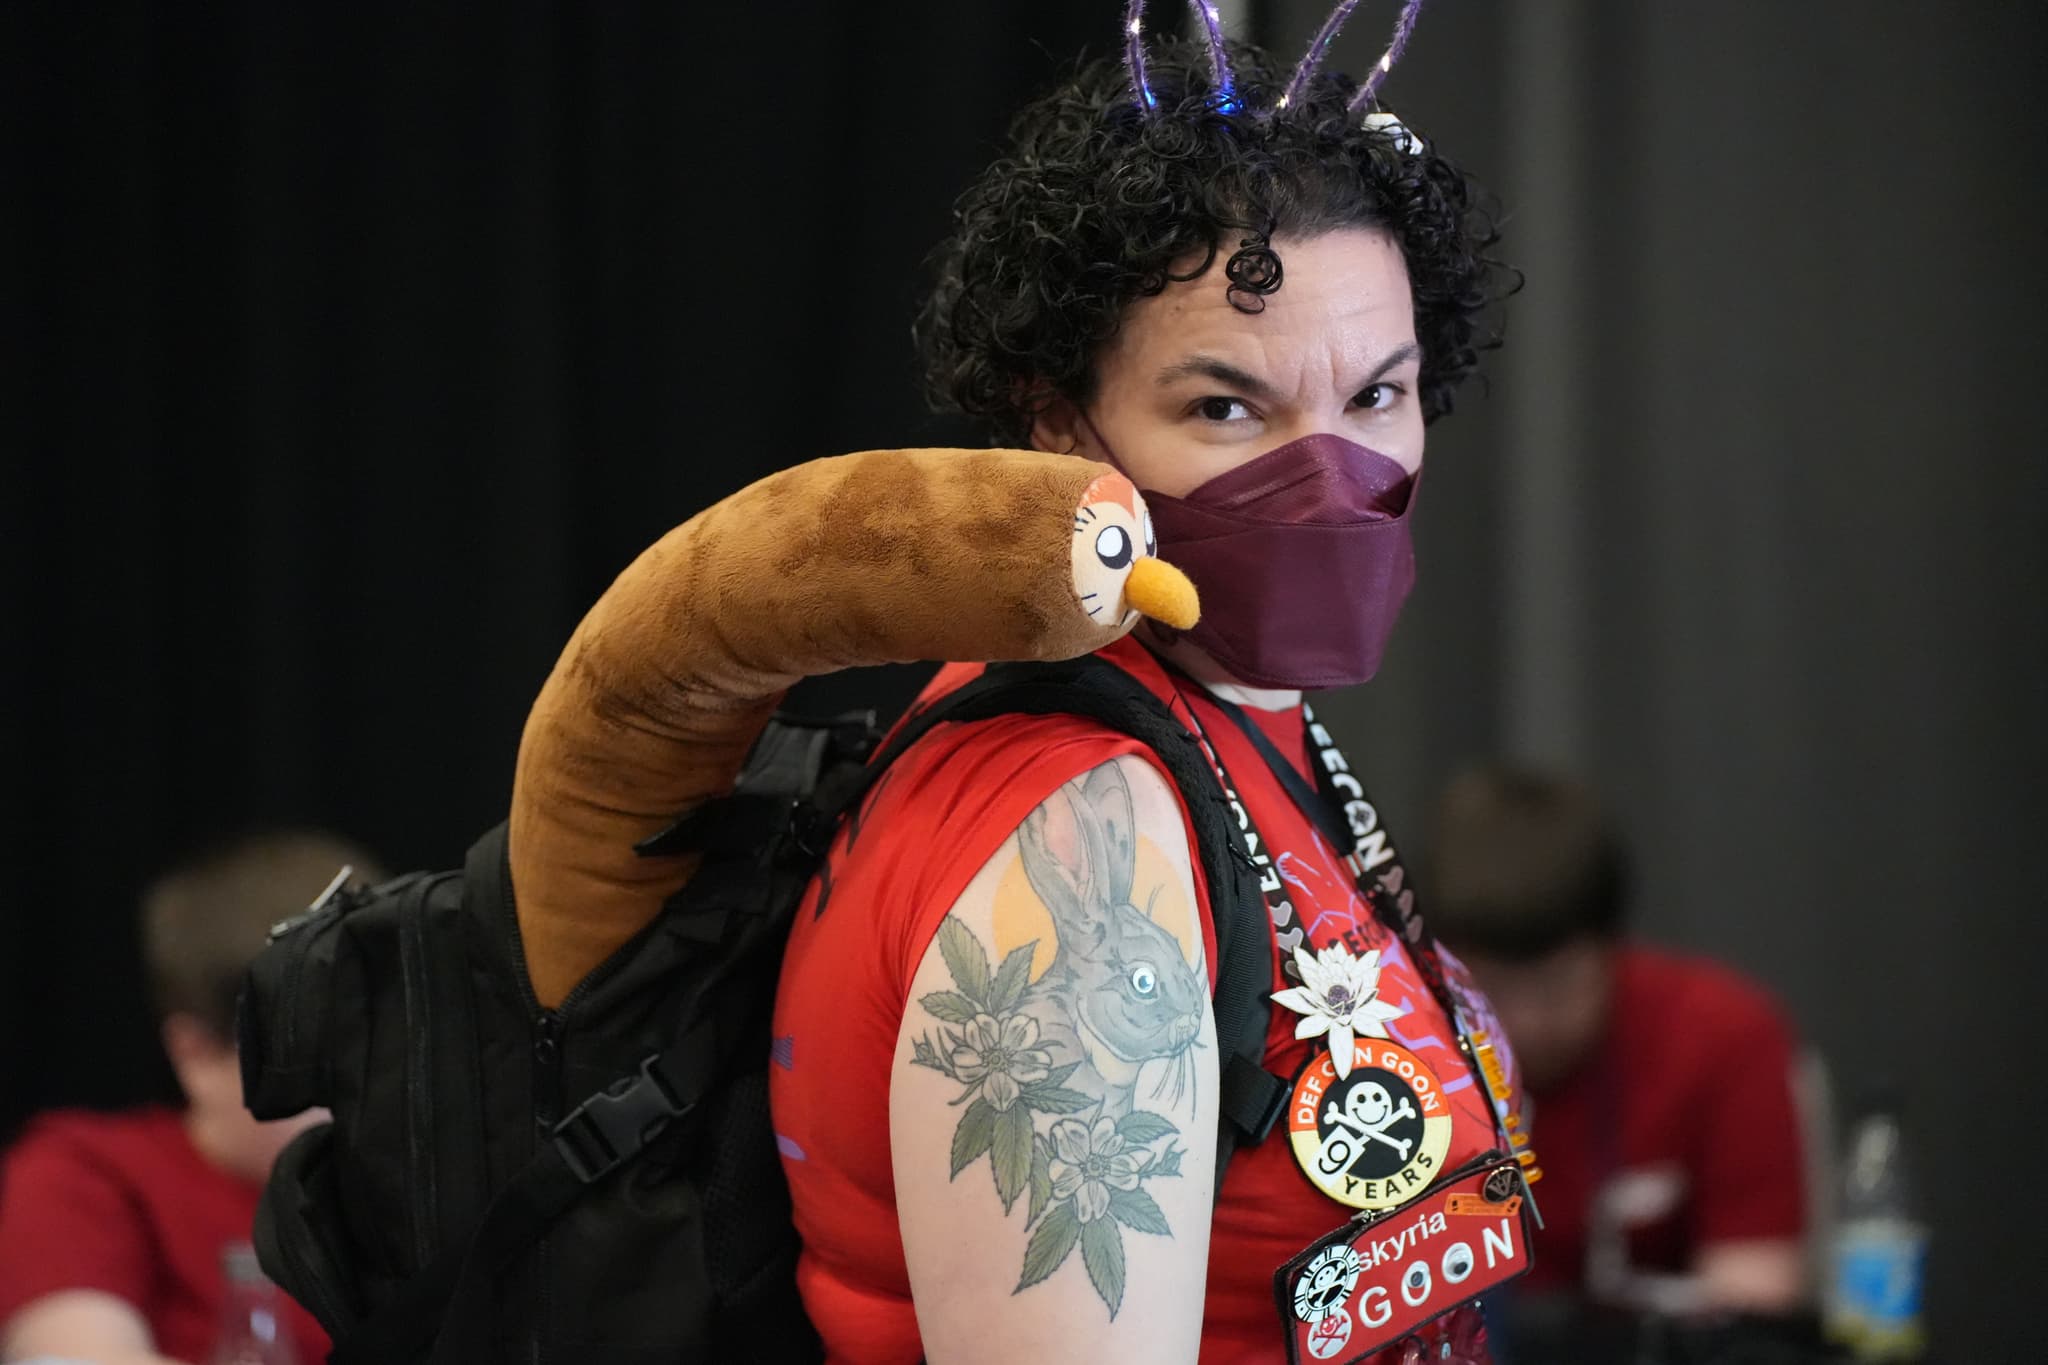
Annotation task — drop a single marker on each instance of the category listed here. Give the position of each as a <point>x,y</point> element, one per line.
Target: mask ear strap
<point>1107,453</point>
<point>1096,432</point>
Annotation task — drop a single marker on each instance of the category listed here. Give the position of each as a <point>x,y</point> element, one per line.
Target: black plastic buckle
<point>1254,1098</point>
<point>616,1124</point>
<point>1283,1094</point>
<point>811,828</point>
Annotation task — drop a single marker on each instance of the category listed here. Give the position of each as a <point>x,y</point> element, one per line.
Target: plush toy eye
<point>1144,981</point>
<point>1151,538</point>
<point>1113,546</point>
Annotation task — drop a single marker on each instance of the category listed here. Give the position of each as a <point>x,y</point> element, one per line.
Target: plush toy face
<point>1112,532</point>
<point>1118,576</point>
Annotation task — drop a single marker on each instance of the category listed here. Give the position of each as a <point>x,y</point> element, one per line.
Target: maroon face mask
<point>1302,558</point>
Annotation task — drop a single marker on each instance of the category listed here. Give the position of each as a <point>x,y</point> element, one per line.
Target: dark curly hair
<point>1094,205</point>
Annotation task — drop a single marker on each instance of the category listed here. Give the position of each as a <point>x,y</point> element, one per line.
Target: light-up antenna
<point>1312,61</point>
<point>1223,89</point>
<point>1134,56</point>
<point>1404,29</point>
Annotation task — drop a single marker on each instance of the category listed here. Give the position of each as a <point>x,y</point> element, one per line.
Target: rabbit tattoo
<point>1119,992</point>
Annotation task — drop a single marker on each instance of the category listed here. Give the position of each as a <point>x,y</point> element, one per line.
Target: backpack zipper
<point>412,950</point>
<point>547,1111</point>
<point>324,1305</point>
<point>547,1091</point>
<point>549,1027</point>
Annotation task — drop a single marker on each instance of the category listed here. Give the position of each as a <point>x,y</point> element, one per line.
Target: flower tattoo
<point>1001,1057</point>
<point>1087,1163</point>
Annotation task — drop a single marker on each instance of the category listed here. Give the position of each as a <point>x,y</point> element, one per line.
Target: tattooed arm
<point>1052,1111</point>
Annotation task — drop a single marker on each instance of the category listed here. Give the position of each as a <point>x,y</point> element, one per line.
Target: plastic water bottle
<point>252,1330</point>
<point>1880,1246</point>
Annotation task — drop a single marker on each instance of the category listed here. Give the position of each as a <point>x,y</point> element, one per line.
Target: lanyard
<point>1340,809</point>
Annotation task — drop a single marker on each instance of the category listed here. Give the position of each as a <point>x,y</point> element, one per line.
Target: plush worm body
<point>891,556</point>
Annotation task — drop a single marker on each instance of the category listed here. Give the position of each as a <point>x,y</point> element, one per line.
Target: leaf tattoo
<point>965,959</point>
<point>975,1134</point>
<point>1102,1250</point>
<point>1050,1244</point>
<point>1010,1153</point>
<point>1011,978</point>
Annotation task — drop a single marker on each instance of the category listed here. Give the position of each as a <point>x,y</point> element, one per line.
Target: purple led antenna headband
<point>1404,29</point>
<point>1312,60</point>
<point>1297,85</point>
<point>1222,86</point>
<point>1134,55</point>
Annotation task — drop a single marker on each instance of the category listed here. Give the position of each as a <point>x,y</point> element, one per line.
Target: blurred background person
<point>1661,1085</point>
<point>117,1229</point>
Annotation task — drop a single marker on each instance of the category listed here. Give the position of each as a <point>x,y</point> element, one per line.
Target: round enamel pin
<point>1374,1137</point>
<point>1326,1283</point>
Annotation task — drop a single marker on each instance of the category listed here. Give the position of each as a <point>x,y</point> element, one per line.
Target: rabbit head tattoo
<point>1123,990</point>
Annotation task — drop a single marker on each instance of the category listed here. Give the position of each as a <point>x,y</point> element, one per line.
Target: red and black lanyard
<point>1339,807</point>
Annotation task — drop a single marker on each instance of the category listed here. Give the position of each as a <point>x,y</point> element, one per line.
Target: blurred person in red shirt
<point>113,1226</point>
<point>1661,1086</point>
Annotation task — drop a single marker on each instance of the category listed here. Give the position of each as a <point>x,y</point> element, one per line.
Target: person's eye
<point>1221,409</point>
<point>1379,397</point>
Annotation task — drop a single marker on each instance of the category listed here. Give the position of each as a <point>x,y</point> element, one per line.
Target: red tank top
<point>941,812</point>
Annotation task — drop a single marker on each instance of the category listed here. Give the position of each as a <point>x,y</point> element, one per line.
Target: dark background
<point>346,353</point>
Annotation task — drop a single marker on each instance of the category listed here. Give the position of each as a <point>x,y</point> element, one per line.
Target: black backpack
<point>599,1183</point>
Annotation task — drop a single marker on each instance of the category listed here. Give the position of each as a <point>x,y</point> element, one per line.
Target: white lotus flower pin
<point>1338,995</point>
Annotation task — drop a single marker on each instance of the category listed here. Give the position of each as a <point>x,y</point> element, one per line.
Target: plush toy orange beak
<point>1161,592</point>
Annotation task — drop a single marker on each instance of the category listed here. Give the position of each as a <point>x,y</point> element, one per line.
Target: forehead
<point>1344,302</point>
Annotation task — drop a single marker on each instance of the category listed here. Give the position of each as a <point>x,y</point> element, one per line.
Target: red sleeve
<point>1750,1160</point>
<point>961,795</point>
<point>66,1222</point>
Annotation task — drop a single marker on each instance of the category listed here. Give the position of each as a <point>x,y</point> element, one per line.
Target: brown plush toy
<point>891,556</point>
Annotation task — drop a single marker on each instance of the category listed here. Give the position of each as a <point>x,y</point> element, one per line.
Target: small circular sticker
<point>1326,1282</point>
<point>1375,1138</point>
<point>1330,1334</point>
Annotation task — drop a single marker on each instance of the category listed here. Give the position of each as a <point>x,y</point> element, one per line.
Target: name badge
<point>1365,1286</point>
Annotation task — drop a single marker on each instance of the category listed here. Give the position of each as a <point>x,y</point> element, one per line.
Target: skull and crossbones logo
<point>1368,1111</point>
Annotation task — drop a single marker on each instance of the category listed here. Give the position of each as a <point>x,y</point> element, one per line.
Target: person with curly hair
<point>996,1083</point>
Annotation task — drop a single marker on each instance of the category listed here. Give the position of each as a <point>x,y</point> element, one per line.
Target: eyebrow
<point>1209,367</point>
<point>1401,354</point>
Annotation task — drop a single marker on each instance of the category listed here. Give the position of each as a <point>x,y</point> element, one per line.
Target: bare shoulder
<point>1053,1103</point>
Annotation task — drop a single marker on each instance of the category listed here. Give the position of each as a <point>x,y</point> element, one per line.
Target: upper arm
<point>1750,1145</point>
<point>1751,1190</point>
<point>74,1260</point>
<point>77,1324</point>
<point>1052,1108</point>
